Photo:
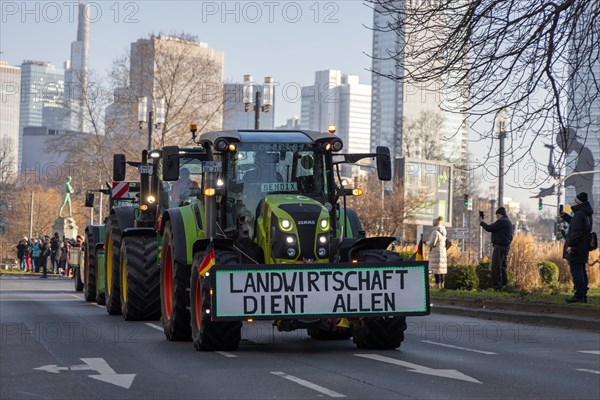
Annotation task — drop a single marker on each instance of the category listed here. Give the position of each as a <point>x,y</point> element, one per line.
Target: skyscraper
<point>76,74</point>
<point>234,114</point>
<point>582,145</point>
<point>397,103</point>
<point>42,88</point>
<point>10,93</point>
<point>339,99</point>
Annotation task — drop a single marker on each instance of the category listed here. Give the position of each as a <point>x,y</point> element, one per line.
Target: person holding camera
<point>502,235</point>
<point>577,245</point>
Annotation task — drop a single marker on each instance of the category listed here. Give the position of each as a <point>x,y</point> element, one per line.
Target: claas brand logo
<point>307,222</point>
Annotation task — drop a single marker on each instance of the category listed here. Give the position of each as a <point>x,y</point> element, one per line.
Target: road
<point>54,345</point>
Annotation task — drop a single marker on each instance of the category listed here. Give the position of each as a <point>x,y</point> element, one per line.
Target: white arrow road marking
<point>420,369</point>
<point>53,369</point>
<point>458,347</point>
<point>106,373</point>
<point>590,371</point>
<point>308,384</point>
<point>595,352</point>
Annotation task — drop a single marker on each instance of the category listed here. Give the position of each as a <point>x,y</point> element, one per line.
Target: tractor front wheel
<point>140,279</point>
<point>207,334</point>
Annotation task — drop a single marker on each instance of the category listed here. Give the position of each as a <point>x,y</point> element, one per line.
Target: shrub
<point>548,272</point>
<point>406,255</point>
<point>462,277</point>
<point>484,273</point>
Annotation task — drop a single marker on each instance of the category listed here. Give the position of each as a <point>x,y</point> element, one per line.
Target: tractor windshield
<point>259,169</point>
<point>186,188</point>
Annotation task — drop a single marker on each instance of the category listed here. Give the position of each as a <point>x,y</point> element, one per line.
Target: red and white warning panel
<point>120,190</point>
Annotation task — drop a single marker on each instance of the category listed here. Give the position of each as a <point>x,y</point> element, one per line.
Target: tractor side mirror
<point>384,164</point>
<point>119,164</point>
<point>89,199</point>
<point>170,167</point>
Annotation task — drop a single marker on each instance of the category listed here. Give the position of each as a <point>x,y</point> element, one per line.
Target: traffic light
<point>540,204</point>
<point>466,200</point>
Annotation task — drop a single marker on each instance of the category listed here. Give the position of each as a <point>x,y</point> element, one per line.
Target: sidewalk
<point>528,313</point>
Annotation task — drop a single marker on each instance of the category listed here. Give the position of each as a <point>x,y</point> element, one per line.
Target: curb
<point>587,318</point>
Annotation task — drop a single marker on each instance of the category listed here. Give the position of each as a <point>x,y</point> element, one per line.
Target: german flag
<point>418,256</point>
<point>208,262</point>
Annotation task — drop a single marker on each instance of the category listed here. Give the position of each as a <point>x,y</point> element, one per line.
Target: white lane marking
<point>77,297</point>
<point>308,384</point>
<point>421,369</point>
<point>151,325</point>
<point>458,347</point>
<point>226,354</point>
<point>97,305</point>
<point>595,352</point>
<point>105,372</point>
<point>589,370</point>
<point>38,299</point>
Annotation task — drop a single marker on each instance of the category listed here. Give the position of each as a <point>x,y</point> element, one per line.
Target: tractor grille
<point>306,218</point>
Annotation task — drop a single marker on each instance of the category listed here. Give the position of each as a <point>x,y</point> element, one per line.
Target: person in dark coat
<point>22,251</point>
<point>45,254</point>
<point>577,245</point>
<point>502,235</point>
<point>56,246</point>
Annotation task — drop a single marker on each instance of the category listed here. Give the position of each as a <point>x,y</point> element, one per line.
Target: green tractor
<point>121,194</point>
<point>269,238</point>
<point>132,269</point>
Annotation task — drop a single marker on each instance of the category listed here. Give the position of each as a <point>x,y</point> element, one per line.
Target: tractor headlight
<point>291,252</point>
<point>321,252</point>
<point>324,223</point>
<point>151,199</point>
<point>286,224</point>
<point>290,240</point>
<point>323,239</point>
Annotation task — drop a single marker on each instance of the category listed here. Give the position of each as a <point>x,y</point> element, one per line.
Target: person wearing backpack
<point>577,245</point>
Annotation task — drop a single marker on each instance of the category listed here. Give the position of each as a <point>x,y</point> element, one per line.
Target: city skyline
<point>322,35</point>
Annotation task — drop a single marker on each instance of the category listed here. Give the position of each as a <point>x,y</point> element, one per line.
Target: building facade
<point>10,99</point>
<point>339,99</point>
<point>398,104</point>
<point>234,114</point>
<point>582,145</point>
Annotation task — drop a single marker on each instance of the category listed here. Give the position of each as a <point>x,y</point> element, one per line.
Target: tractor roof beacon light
<point>331,128</point>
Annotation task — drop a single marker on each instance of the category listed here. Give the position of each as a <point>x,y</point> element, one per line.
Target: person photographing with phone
<point>502,235</point>
<point>577,245</point>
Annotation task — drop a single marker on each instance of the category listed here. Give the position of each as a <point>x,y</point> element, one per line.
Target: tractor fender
<point>125,217</point>
<point>219,243</point>
<point>174,215</point>
<point>373,243</point>
<point>97,232</point>
<point>138,232</point>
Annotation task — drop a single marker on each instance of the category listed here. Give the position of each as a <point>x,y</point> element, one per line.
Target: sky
<point>287,40</point>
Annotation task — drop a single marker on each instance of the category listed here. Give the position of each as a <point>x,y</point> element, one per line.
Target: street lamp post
<point>502,119</point>
<point>143,111</point>
<point>266,97</point>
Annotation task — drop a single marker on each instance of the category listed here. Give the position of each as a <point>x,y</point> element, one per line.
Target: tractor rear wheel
<point>382,333</point>
<point>140,279</point>
<point>174,286</point>
<point>89,290</point>
<point>111,274</point>
<point>208,334</point>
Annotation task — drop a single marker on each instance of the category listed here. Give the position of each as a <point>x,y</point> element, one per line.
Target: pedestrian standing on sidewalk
<point>35,255</point>
<point>22,254</point>
<point>577,245</point>
<point>56,246</point>
<point>502,235</point>
<point>45,254</point>
<point>438,263</point>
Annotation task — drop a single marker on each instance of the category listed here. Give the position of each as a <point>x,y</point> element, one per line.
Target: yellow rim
<point>124,277</point>
<point>108,263</point>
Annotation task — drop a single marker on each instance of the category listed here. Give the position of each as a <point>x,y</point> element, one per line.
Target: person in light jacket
<point>438,263</point>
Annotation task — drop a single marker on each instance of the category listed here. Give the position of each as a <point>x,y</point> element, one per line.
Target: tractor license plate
<point>146,169</point>
<point>320,290</point>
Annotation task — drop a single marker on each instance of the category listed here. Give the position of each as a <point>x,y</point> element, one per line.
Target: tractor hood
<point>293,228</point>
